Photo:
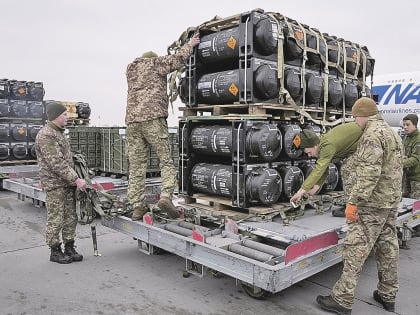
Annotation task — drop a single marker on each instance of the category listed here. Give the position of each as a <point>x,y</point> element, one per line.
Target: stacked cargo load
<point>105,149</point>
<point>78,112</point>
<point>252,84</point>
<point>22,115</point>
<point>259,57</point>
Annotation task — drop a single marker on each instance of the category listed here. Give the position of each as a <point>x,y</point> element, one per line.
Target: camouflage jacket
<point>412,156</point>
<point>378,160</point>
<point>55,160</point>
<point>338,143</point>
<point>147,90</point>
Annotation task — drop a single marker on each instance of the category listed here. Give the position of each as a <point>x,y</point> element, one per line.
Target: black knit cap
<point>55,109</point>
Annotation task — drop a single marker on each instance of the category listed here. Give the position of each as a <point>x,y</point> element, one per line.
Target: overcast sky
<point>80,49</point>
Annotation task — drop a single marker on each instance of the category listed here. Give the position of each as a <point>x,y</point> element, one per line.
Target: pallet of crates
<point>22,115</point>
<point>114,158</point>
<point>254,81</point>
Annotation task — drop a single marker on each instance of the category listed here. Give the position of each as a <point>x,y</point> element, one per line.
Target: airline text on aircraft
<point>398,94</point>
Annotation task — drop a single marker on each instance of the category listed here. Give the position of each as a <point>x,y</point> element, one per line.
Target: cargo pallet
<point>262,110</point>
<point>263,250</point>
<point>309,245</point>
<point>75,121</point>
<point>265,256</point>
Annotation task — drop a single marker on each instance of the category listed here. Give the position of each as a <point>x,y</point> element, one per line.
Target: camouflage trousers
<point>411,189</point>
<point>139,137</point>
<point>375,229</point>
<point>61,215</point>
<point>348,177</point>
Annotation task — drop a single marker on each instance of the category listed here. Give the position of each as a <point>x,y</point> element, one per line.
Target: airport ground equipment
<point>265,249</point>
<point>264,256</point>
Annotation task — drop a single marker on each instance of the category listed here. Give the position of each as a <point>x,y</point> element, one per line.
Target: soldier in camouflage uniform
<point>59,180</point>
<point>371,212</point>
<point>411,185</point>
<point>411,179</point>
<point>146,113</point>
<point>337,144</point>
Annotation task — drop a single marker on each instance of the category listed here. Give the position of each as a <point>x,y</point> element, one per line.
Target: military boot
<point>389,306</point>
<point>70,251</point>
<point>138,213</point>
<point>58,256</point>
<point>339,211</point>
<point>416,232</point>
<point>166,204</point>
<point>327,303</point>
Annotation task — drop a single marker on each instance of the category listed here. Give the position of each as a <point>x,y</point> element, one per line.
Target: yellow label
<point>127,227</point>
<point>296,141</point>
<point>231,42</point>
<point>233,89</point>
<point>303,264</point>
<point>299,35</point>
<point>71,108</point>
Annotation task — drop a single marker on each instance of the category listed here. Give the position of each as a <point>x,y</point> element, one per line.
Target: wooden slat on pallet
<point>277,111</point>
<point>18,162</point>
<point>210,211</point>
<point>77,121</point>
<point>216,203</point>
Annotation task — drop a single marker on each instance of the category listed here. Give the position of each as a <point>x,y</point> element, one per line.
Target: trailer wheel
<point>255,292</point>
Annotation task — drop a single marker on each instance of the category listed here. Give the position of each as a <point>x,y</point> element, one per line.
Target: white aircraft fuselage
<point>398,95</point>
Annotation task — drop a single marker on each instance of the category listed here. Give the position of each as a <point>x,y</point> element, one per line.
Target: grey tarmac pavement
<point>126,281</point>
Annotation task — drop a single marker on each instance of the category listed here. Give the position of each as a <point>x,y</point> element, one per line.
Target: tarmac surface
<point>126,281</point>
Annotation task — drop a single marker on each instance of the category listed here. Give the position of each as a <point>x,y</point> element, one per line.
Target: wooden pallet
<point>220,207</point>
<point>262,110</point>
<point>224,206</point>
<point>18,162</point>
<point>77,121</point>
<point>209,210</point>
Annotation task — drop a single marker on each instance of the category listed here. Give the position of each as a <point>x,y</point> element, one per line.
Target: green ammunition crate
<point>86,140</point>
<point>113,155</point>
<point>105,149</point>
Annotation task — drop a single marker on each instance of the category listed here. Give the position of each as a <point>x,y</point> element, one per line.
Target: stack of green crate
<point>105,149</point>
<point>173,143</point>
<point>86,140</point>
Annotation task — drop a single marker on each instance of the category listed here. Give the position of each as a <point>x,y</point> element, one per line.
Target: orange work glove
<point>351,212</point>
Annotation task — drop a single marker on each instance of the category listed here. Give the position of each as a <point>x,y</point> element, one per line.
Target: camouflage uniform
<point>147,110</point>
<point>338,143</point>
<point>377,193</point>
<point>411,184</point>
<point>57,175</point>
